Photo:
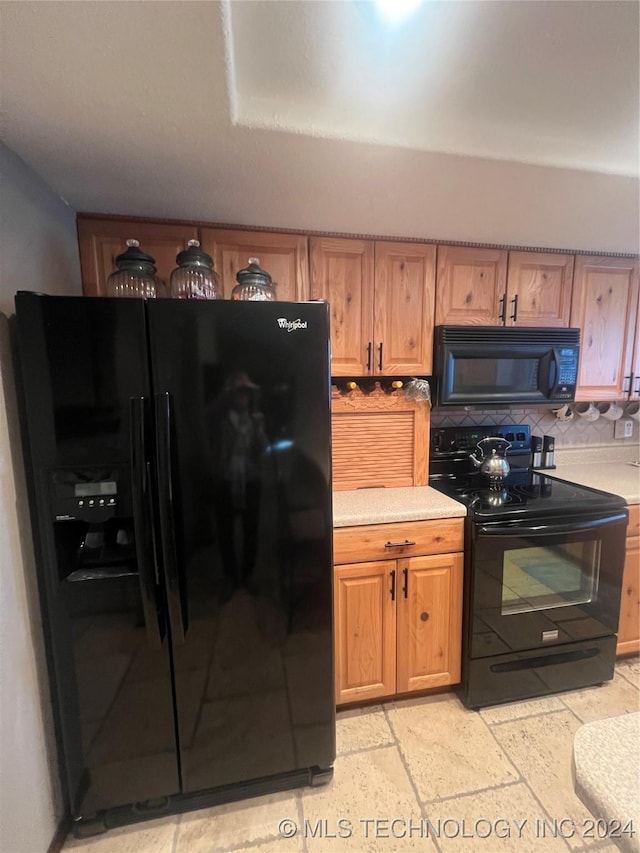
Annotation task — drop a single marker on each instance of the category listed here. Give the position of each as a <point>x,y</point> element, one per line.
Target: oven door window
<point>544,577</point>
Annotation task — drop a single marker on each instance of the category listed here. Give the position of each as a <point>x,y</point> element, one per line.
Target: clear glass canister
<point>194,277</point>
<point>254,284</point>
<point>135,274</point>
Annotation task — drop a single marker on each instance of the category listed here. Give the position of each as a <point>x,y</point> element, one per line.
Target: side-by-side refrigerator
<point>178,453</point>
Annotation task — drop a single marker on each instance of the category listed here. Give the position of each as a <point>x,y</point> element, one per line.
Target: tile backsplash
<point>577,432</point>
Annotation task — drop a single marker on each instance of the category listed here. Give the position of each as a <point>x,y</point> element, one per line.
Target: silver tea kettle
<point>492,457</point>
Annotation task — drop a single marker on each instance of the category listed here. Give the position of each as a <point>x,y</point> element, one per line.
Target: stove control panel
<point>458,440</point>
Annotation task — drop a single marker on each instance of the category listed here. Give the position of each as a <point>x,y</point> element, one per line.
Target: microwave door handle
<point>553,370</point>
<point>551,529</point>
<point>142,521</point>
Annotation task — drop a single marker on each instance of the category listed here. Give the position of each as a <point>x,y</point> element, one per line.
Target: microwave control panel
<point>565,385</point>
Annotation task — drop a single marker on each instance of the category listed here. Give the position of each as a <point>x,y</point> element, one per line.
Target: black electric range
<point>543,572</point>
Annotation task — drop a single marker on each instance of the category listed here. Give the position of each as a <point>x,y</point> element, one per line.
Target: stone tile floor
<point>494,780</point>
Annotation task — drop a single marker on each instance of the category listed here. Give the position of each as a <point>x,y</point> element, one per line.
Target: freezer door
<point>88,423</point>
<point>243,441</point>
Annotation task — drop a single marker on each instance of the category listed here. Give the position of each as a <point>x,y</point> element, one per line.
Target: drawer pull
<point>404,544</point>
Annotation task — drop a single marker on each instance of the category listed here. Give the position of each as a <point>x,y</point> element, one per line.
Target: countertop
<point>381,506</point>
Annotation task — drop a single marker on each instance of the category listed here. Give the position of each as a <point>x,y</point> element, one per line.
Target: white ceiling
<point>321,115</point>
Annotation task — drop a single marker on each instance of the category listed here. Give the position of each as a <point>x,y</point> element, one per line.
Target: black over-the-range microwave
<point>489,365</point>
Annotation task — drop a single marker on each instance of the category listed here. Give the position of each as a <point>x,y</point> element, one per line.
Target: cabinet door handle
<point>404,544</point>
<point>380,356</point>
<point>502,313</point>
<point>393,585</point>
<point>369,355</point>
<point>637,388</point>
<point>629,379</point>
<point>405,582</point>
<point>514,301</point>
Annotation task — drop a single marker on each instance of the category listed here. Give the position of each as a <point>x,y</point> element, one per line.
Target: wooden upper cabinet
<point>604,306</point>
<point>539,289</point>
<point>634,392</point>
<point>283,256</point>
<point>470,286</point>
<point>404,297</point>
<point>429,621</point>
<point>365,630</point>
<point>102,240</point>
<point>342,273</point>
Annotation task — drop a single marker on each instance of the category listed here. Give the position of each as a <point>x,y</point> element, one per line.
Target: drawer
<point>634,520</point>
<point>384,541</point>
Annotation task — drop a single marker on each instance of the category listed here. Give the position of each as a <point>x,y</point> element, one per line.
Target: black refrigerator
<point>178,453</point>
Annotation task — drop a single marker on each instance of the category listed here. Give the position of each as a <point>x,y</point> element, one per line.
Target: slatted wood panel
<point>373,449</point>
<point>379,441</point>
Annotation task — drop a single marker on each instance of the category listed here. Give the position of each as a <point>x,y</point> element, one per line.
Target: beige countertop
<point>381,506</point>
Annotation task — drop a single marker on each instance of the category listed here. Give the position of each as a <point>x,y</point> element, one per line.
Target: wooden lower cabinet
<point>629,624</point>
<point>398,624</point>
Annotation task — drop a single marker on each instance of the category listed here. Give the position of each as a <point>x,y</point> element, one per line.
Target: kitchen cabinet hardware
<point>380,356</point>
<point>626,388</point>
<point>393,585</point>
<point>503,308</point>
<point>637,388</point>
<point>405,582</point>
<point>514,301</point>
<point>405,544</point>
<point>369,355</point>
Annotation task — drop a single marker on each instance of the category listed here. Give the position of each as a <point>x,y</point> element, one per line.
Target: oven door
<point>542,583</point>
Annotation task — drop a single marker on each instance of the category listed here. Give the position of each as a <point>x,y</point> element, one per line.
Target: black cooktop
<point>523,493</point>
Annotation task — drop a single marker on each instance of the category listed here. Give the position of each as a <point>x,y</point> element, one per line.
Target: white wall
<point>38,251</point>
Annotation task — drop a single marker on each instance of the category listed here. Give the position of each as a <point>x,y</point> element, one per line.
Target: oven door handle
<point>550,529</point>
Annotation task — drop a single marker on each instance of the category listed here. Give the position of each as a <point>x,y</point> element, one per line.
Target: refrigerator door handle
<point>142,521</point>
<point>175,597</point>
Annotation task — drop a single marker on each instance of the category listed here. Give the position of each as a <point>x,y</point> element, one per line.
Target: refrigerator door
<point>88,426</point>
<point>243,440</point>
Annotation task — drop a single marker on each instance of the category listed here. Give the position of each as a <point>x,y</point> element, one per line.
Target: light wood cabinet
<point>539,289</point>
<point>398,620</point>
<point>629,624</point>
<point>382,298</point>
<point>470,287</point>
<point>283,256</point>
<point>604,306</point>
<point>342,273</point>
<point>100,241</point>
<point>634,387</point>
<point>489,287</point>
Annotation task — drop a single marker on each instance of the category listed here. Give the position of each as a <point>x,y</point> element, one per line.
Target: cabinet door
<point>629,625</point>
<point>539,289</point>
<point>283,256</point>
<point>471,286</point>
<point>604,306</point>
<point>404,296</point>
<point>429,621</point>
<point>365,630</point>
<point>342,273</point>
<point>102,240</point>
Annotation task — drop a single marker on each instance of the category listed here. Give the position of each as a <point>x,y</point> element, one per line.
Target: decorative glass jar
<point>135,274</point>
<point>194,277</point>
<point>254,284</point>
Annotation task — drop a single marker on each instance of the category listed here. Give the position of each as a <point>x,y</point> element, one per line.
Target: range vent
<point>507,335</point>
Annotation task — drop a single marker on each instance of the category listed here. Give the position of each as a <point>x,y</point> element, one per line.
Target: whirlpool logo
<point>291,325</point>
